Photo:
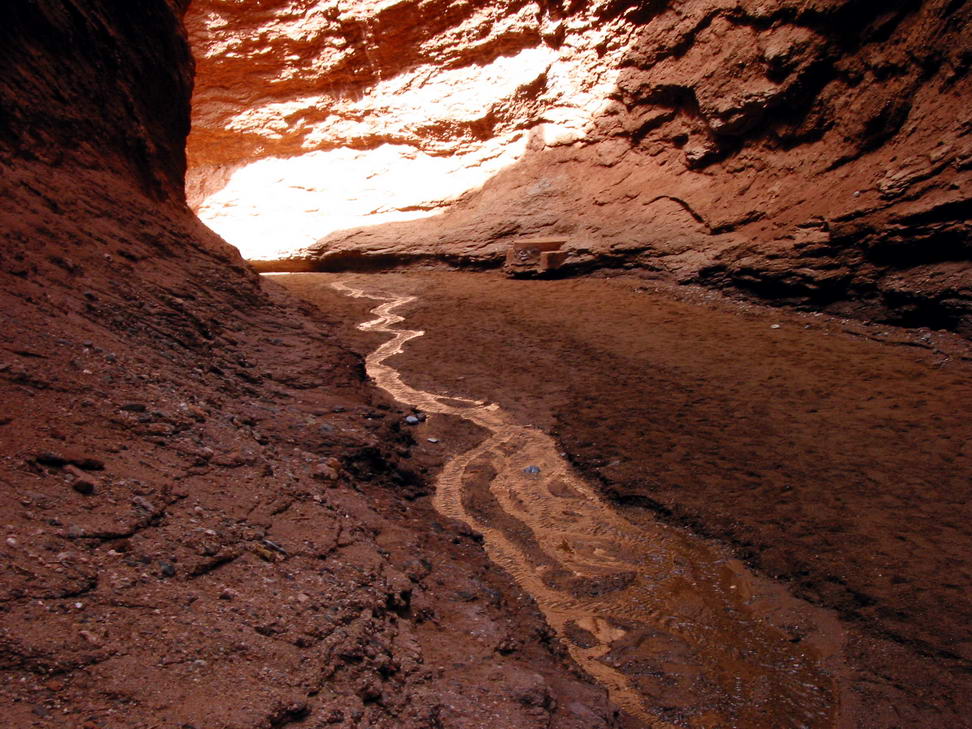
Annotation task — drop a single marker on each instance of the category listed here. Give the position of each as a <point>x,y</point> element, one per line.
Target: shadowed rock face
<point>94,104</point>
<point>813,153</point>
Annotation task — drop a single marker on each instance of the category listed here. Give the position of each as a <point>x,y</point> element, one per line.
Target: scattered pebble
<point>167,569</point>
<point>159,429</point>
<point>274,546</point>
<point>412,420</point>
<point>325,472</point>
<point>531,469</point>
<point>82,482</point>
<point>774,326</point>
<point>83,486</point>
<point>432,440</point>
<point>144,504</point>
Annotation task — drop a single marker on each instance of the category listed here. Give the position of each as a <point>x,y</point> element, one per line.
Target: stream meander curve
<point>678,633</point>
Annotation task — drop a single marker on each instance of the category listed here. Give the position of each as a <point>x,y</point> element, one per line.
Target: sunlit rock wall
<point>312,117</point>
<point>810,152</point>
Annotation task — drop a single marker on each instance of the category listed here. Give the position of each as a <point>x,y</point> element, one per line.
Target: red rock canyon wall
<point>815,153</point>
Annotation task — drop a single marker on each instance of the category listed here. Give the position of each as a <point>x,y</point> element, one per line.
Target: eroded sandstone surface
<point>813,153</point>
<point>312,117</point>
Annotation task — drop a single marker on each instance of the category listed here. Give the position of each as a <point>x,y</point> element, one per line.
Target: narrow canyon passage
<point>662,502</point>
<point>678,629</point>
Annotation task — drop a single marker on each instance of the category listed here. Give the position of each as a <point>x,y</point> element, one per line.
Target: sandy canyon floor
<point>820,468</point>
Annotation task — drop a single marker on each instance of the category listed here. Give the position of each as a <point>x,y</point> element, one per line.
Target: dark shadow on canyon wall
<point>808,155</point>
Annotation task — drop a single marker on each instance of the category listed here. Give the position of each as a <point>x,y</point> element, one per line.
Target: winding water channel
<point>678,633</point>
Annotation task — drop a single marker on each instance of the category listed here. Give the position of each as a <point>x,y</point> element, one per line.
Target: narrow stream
<point>678,633</point>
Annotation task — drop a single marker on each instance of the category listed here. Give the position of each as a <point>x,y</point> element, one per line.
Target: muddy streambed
<point>702,497</point>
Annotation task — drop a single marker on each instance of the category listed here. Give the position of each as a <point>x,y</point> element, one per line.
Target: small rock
<point>73,457</point>
<point>507,646</point>
<point>167,569</point>
<point>274,546</point>
<point>83,486</point>
<point>159,429</point>
<point>324,472</point>
<point>263,553</point>
<point>47,458</point>
<point>90,637</point>
<point>432,440</point>
<point>82,483</point>
<point>133,407</point>
<point>532,469</point>
<point>412,420</point>
<point>140,502</point>
<point>774,326</point>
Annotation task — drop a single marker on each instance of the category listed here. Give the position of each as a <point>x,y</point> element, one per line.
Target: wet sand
<point>829,460</point>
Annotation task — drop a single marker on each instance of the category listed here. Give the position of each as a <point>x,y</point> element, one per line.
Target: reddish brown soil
<point>834,457</point>
<point>221,534</point>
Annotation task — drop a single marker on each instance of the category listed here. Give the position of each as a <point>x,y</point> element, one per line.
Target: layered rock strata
<point>813,153</point>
